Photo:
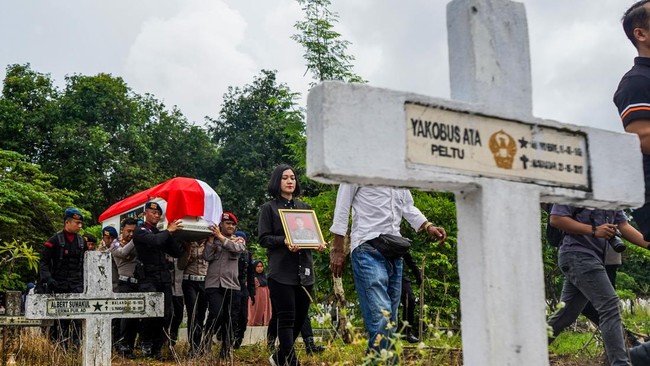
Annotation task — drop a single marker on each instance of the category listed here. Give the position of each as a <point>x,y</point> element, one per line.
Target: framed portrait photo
<point>301,228</point>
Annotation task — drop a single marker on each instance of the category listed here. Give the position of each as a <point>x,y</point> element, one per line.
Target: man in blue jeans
<point>588,237</point>
<point>378,281</point>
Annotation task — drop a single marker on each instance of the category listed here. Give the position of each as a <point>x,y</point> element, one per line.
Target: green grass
<point>575,343</point>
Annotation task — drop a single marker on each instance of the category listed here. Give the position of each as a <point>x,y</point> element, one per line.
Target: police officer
<point>91,241</point>
<point>222,252</point>
<point>61,269</point>
<point>109,239</point>
<point>153,272</point>
<point>246,278</point>
<point>125,260</point>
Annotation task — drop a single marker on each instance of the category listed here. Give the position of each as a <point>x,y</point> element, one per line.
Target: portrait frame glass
<point>301,228</point>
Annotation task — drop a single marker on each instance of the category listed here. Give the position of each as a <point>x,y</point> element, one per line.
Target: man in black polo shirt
<point>632,98</point>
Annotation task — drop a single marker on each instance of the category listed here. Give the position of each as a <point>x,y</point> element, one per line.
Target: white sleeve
<point>344,198</point>
<point>411,213</point>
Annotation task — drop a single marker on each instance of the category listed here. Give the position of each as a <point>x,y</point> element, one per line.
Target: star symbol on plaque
<point>523,143</point>
<point>524,159</point>
<point>98,306</point>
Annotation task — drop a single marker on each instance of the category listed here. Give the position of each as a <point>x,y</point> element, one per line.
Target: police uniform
<point>124,259</point>
<point>153,273</point>
<point>61,263</point>
<point>246,279</point>
<point>221,281</point>
<point>61,271</point>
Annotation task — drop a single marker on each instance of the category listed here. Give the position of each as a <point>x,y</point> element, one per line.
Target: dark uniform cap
<point>241,234</point>
<point>228,216</point>
<point>153,206</point>
<point>109,230</point>
<point>73,213</point>
<point>89,238</point>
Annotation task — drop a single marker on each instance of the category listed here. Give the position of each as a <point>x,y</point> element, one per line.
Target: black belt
<point>128,279</point>
<point>194,278</point>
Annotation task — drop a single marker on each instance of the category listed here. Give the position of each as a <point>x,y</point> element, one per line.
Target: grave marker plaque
<point>97,306</point>
<point>367,136</point>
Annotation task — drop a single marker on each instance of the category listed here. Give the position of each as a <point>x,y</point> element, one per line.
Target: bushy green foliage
<point>553,277</point>
<point>256,127</point>
<point>31,208</point>
<point>636,261</point>
<point>324,204</point>
<point>97,137</point>
<point>441,281</point>
<point>16,258</point>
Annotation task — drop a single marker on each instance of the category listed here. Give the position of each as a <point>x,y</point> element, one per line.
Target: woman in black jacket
<point>290,270</point>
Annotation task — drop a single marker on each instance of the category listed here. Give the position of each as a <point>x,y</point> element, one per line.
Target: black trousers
<point>153,329</point>
<point>272,330</point>
<point>290,306</point>
<point>196,305</point>
<point>240,314</point>
<point>408,304</point>
<point>66,330</point>
<point>178,306</point>
<point>128,326</point>
<point>220,302</point>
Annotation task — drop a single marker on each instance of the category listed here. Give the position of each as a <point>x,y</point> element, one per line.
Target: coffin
<point>188,199</point>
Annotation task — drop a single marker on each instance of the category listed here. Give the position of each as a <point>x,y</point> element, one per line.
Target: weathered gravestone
<point>11,325</point>
<point>486,146</point>
<point>97,306</point>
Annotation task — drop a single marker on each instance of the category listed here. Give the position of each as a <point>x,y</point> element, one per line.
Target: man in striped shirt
<point>632,98</point>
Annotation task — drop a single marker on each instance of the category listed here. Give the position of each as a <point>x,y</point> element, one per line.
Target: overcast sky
<point>187,52</point>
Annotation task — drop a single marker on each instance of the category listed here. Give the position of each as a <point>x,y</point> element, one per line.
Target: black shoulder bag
<point>391,246</point>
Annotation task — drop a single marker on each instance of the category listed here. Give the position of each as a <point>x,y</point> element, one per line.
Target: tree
<point>28,107</point>
<point>30,206</point>
<point>325,51</point>
<point>31,209</point>
<point>327,59</point>
<point>98,137</point>
<point>253,136</point>
<point>17,260</point>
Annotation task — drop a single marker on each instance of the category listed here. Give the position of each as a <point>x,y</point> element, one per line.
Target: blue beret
<point>109,230</point>
<point>73,213</point>
<point>241,234</point>
<point>153,206</point>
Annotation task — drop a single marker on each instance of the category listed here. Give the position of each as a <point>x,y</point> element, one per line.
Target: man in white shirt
<point>378,280</point>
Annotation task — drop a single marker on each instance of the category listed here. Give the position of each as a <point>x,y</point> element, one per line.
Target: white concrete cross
<point>486,146</point>
<point>97,306</point>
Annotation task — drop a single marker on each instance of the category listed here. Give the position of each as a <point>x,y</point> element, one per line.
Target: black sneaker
<point>411,338</point>
<point>631,338</point>
<point>146,350</point>
<point>314,348</point>
<point>126,352</point>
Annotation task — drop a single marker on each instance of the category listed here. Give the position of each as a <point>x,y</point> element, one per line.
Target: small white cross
<point>97,306</point>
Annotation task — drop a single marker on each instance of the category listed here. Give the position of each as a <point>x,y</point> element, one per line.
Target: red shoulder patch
<point>49,245</point>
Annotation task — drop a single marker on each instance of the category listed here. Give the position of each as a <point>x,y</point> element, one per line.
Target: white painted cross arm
<point>372,136</point>
<point>97,305</point>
